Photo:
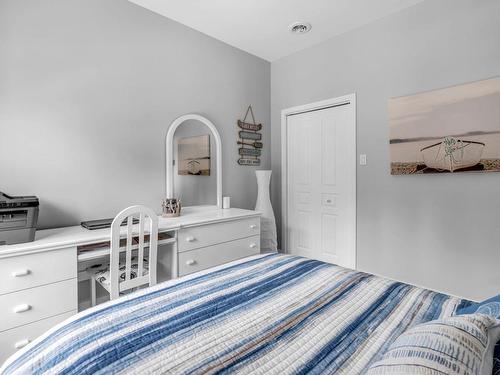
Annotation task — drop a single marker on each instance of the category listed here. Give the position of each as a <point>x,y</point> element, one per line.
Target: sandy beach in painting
<point>489,165</point>
<point>410,159</point>
<point>456,129</point>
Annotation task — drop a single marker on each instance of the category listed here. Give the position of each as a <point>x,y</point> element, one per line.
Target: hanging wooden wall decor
<point>250,140</point>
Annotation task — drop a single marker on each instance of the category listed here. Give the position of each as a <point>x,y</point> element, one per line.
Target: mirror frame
<point>169,148</point>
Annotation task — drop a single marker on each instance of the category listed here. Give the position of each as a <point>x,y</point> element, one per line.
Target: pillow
<point>458,345</point>
<point>489,307</point>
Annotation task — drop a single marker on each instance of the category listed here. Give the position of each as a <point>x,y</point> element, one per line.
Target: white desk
<point>52,239</point>
<point>39,279</point>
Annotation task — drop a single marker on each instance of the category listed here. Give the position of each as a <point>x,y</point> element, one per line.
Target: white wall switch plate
<point>362,159</point>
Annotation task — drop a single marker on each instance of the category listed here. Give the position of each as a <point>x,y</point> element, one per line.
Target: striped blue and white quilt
<point>271,314</point>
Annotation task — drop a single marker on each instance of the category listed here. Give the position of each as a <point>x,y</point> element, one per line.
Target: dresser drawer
<point>28,271</point>
<point>17,338</point>
<point>211,234</point>
<point>27,306</point>
<point>206,257</point>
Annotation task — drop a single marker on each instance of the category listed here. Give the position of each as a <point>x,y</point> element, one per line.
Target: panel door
<point>321,154</point>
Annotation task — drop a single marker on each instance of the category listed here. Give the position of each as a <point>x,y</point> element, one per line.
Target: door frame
<point>350,100</point>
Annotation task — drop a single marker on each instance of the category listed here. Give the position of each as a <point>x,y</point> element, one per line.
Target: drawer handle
<point>253,226</point>
<point>21,273</point>
<point>21,344</point>
<point>253,245</point>
<point>191,262</point>
<point>21,308</point>
<point>190,239</point>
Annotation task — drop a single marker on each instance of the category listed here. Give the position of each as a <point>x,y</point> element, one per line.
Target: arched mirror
<point>194,161</point>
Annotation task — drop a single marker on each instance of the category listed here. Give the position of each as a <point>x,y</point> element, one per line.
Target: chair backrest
<point>147,217</point>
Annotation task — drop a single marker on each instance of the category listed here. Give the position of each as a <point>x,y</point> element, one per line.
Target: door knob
<point>190,239</point>
<point>253,226</point>
<point>191,262</point>
<point>253,245</point>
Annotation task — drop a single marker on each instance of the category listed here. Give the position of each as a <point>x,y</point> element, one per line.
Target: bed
<point>267,314</point>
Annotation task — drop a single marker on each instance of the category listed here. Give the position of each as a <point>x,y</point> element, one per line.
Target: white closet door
<point>321,157</point>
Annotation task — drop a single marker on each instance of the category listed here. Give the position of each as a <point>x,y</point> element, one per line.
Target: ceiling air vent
<point>300,27</point>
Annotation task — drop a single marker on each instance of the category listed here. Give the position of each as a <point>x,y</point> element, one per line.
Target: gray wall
<point>439,231</point>
<point>88,89</point>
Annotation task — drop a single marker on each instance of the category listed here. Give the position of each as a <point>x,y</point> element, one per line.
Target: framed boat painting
<point>451,130</point>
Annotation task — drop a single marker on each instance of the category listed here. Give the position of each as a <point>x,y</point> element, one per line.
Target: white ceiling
<point>260,27</point>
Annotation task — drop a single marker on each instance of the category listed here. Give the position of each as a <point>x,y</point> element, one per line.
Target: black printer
<point>18,218</point>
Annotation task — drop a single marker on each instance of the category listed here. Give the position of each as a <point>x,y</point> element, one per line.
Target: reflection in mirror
<point>195,167</point>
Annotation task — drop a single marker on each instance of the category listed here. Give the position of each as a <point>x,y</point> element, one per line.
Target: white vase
<point>268,238</point>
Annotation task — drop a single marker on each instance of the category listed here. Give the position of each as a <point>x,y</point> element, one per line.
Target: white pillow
<point>461,345</point>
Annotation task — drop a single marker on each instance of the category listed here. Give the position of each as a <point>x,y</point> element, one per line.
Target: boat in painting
<point>452,154</point>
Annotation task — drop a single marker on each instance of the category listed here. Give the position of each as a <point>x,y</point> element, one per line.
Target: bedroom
<point>89,90</point>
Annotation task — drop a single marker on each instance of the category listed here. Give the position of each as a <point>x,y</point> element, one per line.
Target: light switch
<point>362,159</point>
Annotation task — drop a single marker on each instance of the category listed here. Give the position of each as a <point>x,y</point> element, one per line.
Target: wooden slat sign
<point>249,152</point>
<point>249,135</point>
<point>252,144</point>
<point>251,148</point>
<point>251,162</point>
<point>247,126</point>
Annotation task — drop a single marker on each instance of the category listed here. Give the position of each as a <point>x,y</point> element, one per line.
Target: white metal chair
<point>136,270</point>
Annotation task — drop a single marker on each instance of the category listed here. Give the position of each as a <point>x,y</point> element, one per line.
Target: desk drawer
<point>30,305</point>
<point>211,234</point>
<point>206,257</point>
<point>28,271</point>
<point>17,338</point>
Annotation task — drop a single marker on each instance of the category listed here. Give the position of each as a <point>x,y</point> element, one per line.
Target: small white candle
<point>226,202</point>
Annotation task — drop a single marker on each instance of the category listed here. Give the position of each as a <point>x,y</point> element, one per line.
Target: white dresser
<point>39,280</point>
<point>205,246</point>
<point>37,291</point>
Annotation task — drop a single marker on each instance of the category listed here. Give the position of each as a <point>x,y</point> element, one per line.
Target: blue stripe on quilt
<point>348,285</point>
<point>225,315</point>
<point>107,353</point>
<point>375,313</point>
<point>176,327</point>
